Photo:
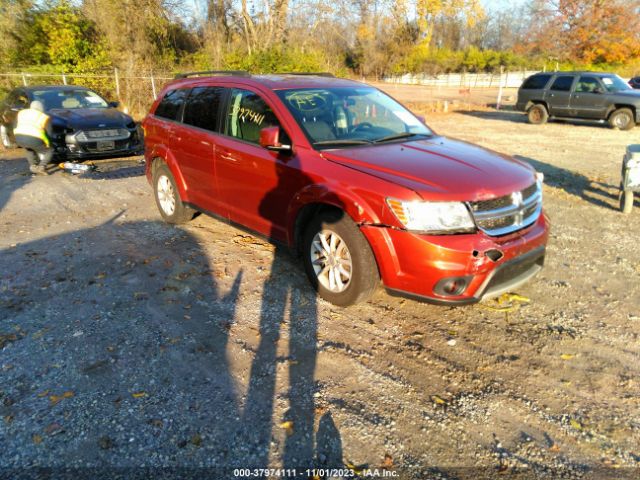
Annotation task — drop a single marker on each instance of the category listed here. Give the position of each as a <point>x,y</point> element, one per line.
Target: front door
<point>588,99</point>
<point>256,184</point>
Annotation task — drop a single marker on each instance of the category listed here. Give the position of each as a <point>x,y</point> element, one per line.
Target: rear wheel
<point>622,119</point>
<point>338,259</point>
<point>537,114</point>
<point>168,199</point>
<point>626,201</point>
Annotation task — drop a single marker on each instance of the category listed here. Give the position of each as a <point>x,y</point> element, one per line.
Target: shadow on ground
<point>595,192</point>
<point>118,351</point>
<point>510,115</point>
<point>15,175</point>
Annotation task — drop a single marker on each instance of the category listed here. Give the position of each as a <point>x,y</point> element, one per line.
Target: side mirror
<point>598,90</point>
<point>114,104</point>
<point>421,118</point>
<point>270,139</point>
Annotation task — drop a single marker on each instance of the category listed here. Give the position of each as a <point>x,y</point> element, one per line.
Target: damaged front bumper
<point>457,269</point>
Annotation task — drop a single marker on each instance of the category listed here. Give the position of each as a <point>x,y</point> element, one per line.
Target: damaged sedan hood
<point>90,118</point>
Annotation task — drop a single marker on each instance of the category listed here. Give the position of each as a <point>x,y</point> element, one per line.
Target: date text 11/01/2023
<point>313,473</point>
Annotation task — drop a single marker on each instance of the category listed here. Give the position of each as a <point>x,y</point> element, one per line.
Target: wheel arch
<point>162,155</point>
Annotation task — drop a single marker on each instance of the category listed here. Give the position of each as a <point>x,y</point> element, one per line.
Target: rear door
<point>558,96</point>
<point>256,184</point>
<point>588,99</point>
<point>196,139</point>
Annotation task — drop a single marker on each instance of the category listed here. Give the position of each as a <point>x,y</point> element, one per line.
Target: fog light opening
<point>494,255</point>
<point>452,286</point>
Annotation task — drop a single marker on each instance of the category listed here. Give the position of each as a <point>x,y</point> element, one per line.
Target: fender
<point>160,151</point>
<point>329,194</point>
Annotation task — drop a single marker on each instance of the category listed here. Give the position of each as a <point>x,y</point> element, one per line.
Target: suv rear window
<point>562,84</point>
<point>202,107</point>
<point>536,82</point>
<point>169,107</point>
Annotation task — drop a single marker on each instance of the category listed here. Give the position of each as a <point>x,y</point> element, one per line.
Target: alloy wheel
<point>331,261</point>
<point>166,195</point>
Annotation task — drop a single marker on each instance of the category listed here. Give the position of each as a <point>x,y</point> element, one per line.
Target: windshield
<point>614,83</point>
<point>342,117</point>
<point>69,99</point>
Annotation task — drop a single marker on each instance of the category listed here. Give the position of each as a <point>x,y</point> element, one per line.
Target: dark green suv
<point>580,95</point>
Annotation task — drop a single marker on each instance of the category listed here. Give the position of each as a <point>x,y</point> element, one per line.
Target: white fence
<point>506,79</point>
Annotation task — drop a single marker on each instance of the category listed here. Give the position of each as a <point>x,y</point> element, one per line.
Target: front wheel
<point>622,119</point>
<point>5,138</point>
<point>168,199</point>
<point>338,260</point>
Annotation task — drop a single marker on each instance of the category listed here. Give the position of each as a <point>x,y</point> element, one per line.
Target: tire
<point>168,199</point>
<point>5,138</point>
<point>359,272</point>
<point>538,114</point>
<point>622,119</point>
<point>626,201</point>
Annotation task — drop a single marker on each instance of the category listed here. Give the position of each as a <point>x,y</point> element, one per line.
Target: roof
<point>273,81</point>
<point>576,72</point>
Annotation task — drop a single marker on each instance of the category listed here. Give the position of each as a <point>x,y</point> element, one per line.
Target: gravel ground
<point>128,343</point>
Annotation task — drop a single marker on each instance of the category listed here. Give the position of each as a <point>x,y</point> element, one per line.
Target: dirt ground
<point>125,342</point>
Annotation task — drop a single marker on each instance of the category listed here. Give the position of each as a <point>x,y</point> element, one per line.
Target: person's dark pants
<point>37,152</point>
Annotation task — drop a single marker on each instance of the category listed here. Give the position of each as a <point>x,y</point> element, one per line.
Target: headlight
<point>433,217</point>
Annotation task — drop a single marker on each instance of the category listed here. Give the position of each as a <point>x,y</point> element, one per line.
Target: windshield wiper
<point>396,136</point>
<point>353,141</point>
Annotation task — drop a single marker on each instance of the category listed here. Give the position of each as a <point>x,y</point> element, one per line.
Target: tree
<point>586,31</point>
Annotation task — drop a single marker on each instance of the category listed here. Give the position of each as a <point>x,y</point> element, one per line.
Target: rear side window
<point>536,82</point>
<point>248,114</point>
<point>169,106</point>
<point>562,84</point>
<point>202,107</point>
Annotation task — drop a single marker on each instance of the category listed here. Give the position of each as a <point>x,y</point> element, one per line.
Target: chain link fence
<point>135,93</point>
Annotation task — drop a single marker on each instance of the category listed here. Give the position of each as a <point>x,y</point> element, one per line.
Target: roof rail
<point>319,74</point>
<point>240,73</point>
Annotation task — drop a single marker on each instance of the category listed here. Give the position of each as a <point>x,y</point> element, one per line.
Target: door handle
<point>227,156</point>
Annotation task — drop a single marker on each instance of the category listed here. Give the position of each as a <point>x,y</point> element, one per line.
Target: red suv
<point>349,178</point>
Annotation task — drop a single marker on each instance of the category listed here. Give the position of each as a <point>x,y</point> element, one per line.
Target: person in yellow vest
<point>32,133</point>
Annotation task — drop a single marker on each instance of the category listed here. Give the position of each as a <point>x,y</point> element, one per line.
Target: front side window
<point>170,105</point>
<point>69,99</point>
<point>350,116</point>
<point>248,113</point>
<point>201,109</point>
<point>587,85</point>
<point>562,84</point>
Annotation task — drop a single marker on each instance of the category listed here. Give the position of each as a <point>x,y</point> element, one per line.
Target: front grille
<point>92,147</point>
<point>102,134</point>
<point>509,213</point>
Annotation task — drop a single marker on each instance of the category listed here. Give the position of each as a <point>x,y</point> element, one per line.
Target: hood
<point>440,168</point>
<point>90,118</point>
<point>631,94</point>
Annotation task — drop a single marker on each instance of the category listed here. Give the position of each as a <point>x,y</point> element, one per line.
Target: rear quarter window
<point>170,105</point>
<point>536,82</point>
